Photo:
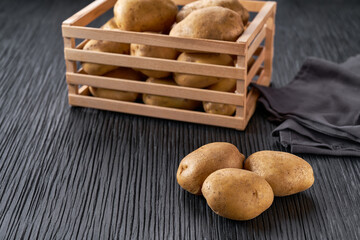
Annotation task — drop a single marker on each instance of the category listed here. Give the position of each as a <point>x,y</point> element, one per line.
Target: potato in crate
<point>150,59</point>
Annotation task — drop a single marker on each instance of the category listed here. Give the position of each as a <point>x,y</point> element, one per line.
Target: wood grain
<point>76,173</point>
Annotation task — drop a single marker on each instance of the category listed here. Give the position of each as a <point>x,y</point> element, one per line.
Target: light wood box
<point>261,29</point>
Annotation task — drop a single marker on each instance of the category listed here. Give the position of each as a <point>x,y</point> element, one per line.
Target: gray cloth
<point>320,108</point>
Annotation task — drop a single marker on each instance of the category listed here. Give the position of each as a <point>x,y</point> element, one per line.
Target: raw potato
<point>140,50</point>
<point>104,46</point>
<point>224,85</point>
<point>237,194</point>
<point>168,101</point>
<point>215,23</point>
<point>198,81</point>
<point>234,5</point>
<point>286,173</point>
<point>199,164</point>
<point>125,73</point>
<point>145,15</point>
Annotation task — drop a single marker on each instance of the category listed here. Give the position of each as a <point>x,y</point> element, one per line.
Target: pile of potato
<point>237,191</point>
<point>207,19</point>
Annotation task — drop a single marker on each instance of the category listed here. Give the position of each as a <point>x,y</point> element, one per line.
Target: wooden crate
<point>261,29</point>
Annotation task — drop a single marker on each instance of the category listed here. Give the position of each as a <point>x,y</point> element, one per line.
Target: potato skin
<point>140,50</point>
<point>104,46</point>
<point>237,194</point>
<point>286,173</point>
<point>145,15</point>
<point>199,164</point>
<point>164,101</point>
<point>215,23</point>
<point>125,73</point>
<point>234,5</point>
<point>197,81</point>
<point>224,85</point>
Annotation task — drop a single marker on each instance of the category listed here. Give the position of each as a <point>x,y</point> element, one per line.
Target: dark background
<point>76,173</point>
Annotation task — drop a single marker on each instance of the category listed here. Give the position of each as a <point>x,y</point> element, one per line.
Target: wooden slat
<point>253,6</point>
<point>156,89</point>
<point>90,13</point>
<point>240,85</point>
<point>263,79</point>
<point>255,67</point>
<point>156,111</point>
<point>154,64</point>
<point>256,43</point>
<point>152,39</point>
<point>70,65</point>
<point>251,104</point>
<point>258,23</point>
<point>269,45</point>
<point>84,90</point>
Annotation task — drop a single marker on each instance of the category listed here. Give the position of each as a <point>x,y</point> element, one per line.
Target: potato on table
<point>199,164</point>
<point>197,81</point>
<point>145,15</point>
<point>141,50</point>
<point>234,5</point>
<point>237,194</point>
<point>224,85</point>
<point>286,173</point>
<point>215,23</point>
<point>164,101</point>
<point>124,73</point>
<point>104,46</point>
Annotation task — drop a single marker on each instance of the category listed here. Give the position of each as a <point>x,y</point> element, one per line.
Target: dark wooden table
<point>75,173</point>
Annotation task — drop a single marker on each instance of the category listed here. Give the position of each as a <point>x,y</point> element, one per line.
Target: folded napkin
<point>319,109</point>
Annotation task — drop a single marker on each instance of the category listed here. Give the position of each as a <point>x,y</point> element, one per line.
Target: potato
<point>140,50</point>
<point>234,5</point>
<point>104,46</point>
<point>125,73</point>
<point>198,81</point>
<point>224,85</point>
<point>168,101</point>
<point>145,15</point>
<point>199,164</point>
<point>237,194</point>
<point>215,23</point>
<point>286,173</point>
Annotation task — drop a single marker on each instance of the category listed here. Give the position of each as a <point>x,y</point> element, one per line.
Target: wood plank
<point>153,39</point>
<point>251,101</point>
<point>240,85</point>
<point>89,13</point>
<point>257,23</point>
<point>255,67</point>
<point>256,43</point>
<point>154,63</point>
<point>269,45</point>
<point>156,89</point>
<point>84,90</point>
<point>70,65</point>
<point>252,6</point>
<point>156,111</point>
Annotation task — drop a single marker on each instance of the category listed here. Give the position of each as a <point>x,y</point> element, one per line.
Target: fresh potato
<point>104,46</point>
<point>198,81</point>
<point>216,23</point>
<point>140,50</point>
<point>168,101</point>
<point>145,15</point>
<point>224,85</point>
<point>199,164</point>
<point>234,5</point>
<point>237,194</point>
<point>286,173</point>
<point>124,73</point>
